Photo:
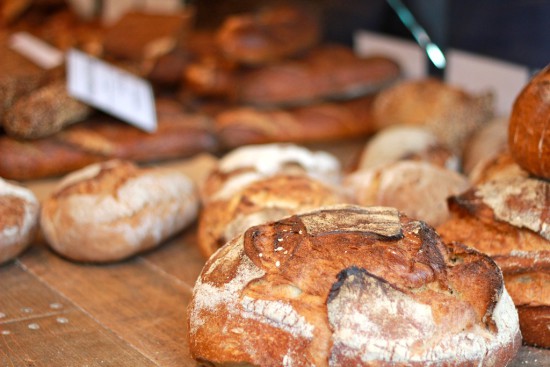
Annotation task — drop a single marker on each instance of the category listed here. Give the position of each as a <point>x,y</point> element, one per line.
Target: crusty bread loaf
<point>113,210</point>
<point>450,112</point>
<point>101,138</point>
<point>406,142</point>
<point>320,122</point>
<point>529,131</point>
<point>350,286</point>
<point>495,167</point>
<point>508,219</point>
<point>419,189</point>
<point>269,34</point>
<point>329,71</point>
<point>19,210</point>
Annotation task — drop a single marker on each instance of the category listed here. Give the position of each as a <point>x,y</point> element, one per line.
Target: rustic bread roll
<point>484,145</point>
<point>406,142</point>
<point>529,131</point>
<point>450,112</point>
<point>508,219</point>
<point>496,167</point>
<point>113,210</point>
<point>233,210</point>
<point>350,286</point>
<point>246,164</point>
<point>419,189</point>
<point>19,210</point>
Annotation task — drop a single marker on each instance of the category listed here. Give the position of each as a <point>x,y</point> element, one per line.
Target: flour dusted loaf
<point>508,219</point>
<point>350,286</point>
<point>112,210</point>
<point>19,211</point>
<point>257,184</point>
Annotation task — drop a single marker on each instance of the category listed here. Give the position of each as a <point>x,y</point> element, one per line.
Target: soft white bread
<point>419,189</point>
<point>113,210</point>
<point>350,286</point>
<point>19,210</point>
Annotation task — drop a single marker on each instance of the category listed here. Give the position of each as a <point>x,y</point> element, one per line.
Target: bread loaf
<point>350,286</point>
<point>529,130</point>
<point>269,34</point>
<point>113,210</point>
<point>327,121</point>
<point>396,143</point>
<point>508,219</point>
<point>450,112</point>
<point>419,189</point>
<point>19,210</point>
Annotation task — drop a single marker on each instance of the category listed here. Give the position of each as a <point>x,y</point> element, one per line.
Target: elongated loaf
<point>113,210</point>
<point>350,286</point>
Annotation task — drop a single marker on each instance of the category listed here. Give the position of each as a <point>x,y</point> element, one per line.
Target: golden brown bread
<point>101,138</point>
<point>269,34</point>
<point>112,210</point>
<point>329,71</point>
<point>509,219</point>
<point>418,189</point>
<point>450,112</point>
<point>328,121</point>
<point>19,211</point>
<point>350,286</point>
<point>44,111</point>
<point>529,130</point>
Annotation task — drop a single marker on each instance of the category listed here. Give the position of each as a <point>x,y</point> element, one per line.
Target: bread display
<point>110,211</point>
<point>328,121</point>
<point>269,34</point>
<point>419,189</point>
<point>450,112</point>
<point>406,142</point>
<point>508,219</point>
<point>19,211</point>
<point>529,131</point>
<point>350,286</point>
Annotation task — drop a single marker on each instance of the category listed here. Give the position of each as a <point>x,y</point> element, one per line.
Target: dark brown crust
<point>269,34</point>
<point>529,130</point>
<point>314,123</point>
<point>305,260</point>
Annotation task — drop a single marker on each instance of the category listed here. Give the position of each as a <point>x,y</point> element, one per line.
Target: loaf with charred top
<point>350,286</point>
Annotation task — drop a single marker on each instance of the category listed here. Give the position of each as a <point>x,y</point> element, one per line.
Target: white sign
<point>111,90</point>
<point>36,50</point>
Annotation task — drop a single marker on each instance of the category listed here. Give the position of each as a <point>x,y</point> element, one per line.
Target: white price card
<point>36,50</point>
<point>111,90</point>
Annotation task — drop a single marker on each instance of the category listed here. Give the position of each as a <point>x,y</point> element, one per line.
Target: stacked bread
<point>506,214</point>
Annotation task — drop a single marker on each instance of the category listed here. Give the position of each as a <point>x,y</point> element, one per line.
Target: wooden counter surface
<point>54,312</point>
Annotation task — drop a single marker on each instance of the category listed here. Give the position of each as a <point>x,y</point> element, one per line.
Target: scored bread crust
<point>508,219</point>
<point>19,210</point>
<point>346,285</point>
<point>113,210</point>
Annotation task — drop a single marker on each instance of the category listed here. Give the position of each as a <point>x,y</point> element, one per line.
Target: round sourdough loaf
<point>529,130</point>
<point>350,286</point>
<point>508,219</point>
<point>113,210</point>
<point>19,210</point>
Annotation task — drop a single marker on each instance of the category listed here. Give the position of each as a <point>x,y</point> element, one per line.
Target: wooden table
<point>54,312</point>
